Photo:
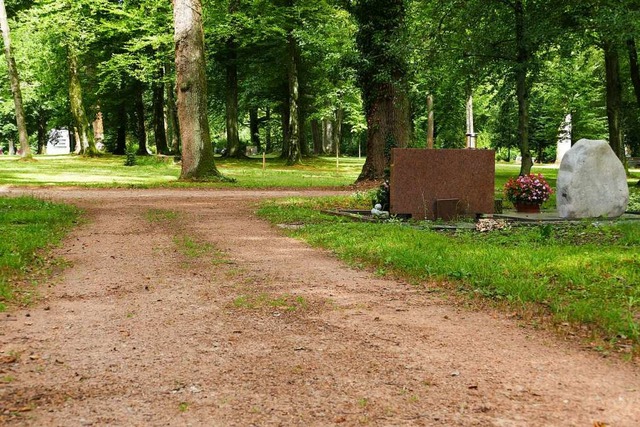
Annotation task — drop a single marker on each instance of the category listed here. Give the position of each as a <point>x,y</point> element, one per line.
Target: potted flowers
<point>527,192</point>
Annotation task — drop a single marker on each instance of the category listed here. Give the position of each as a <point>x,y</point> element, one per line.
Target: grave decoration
<point>527,192</point>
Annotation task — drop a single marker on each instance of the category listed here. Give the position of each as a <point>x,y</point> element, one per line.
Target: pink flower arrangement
<point>531,189</point>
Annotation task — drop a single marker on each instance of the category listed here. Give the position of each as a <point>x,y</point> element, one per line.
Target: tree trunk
<point>293,146</point>
<point>85,143</point>
<point>254,128</point>
<point>42,132</point>
<point>387,128</point>
<point>197,151</point>
<point>233,139</point>
<point>522,89</point>
<point>141,131</point>
<point>173,130</point>
<point>382,79</point>
<point>23,138</point>
<point>327,136</point>
<point>316,136</point>
<point>634,68</point>
<point>159,132</point>
<point>337,134</point>
<point>284,120</point>
<point>430,121</point>
<point>614,99</point>
<point>121,138</point>
<point>267,137</point>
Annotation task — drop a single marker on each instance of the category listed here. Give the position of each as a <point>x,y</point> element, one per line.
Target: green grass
<point>152,171</point>
<point>28,227</point>
<point>582,274</point>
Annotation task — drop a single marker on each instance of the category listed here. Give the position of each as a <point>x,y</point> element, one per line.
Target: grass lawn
<point>583,277</point>
<point>152,171</point>
<point>28,227</point>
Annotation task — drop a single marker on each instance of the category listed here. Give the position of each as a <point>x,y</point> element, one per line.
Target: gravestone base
<point>420,177</point>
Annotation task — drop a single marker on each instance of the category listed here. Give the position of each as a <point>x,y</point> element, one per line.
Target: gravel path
<point>146,329</point>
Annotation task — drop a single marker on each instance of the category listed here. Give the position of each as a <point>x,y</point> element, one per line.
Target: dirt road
<point>145,328</point>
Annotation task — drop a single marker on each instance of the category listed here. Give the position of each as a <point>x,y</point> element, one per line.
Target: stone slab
<point>419,177</point>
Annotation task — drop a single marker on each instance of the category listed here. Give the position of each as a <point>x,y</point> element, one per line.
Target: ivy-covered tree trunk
<point>522,88</point>
<point>14,78</point>
<point>85,142</point>
<point>381,76</point>
<point>197,151</point>
<point>159,132</point>
<point>121,136</point>
<point>614,99</point>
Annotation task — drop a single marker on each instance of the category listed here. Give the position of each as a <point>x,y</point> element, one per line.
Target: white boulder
<point>592,182</point>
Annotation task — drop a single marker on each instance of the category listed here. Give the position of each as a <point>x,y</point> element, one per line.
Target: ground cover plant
<point>585,274</point>
<point>155,171</point>
<point>28,226</point>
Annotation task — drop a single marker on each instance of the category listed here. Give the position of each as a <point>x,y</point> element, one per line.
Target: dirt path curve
<point>144,331</point>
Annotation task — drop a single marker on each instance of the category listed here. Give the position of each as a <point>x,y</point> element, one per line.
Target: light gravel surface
<point>139,332</point>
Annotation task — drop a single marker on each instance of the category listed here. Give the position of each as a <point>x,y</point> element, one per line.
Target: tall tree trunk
<point>197,151</point>
<point>337,134</point>
<point>233,139</point>
<point>382,78</point>
<point>141,131</point>
<point>614,99</point>
<point>430,121</point>
<point>85,143</point>
<point>284,120</point>
<point>159,132</point>
<point>327,136</point>
<point>42,132</point>
<point>23,137</point>
<point>254,128</point>
<point>173,130</point>
<point>634,68</point>
<point>522,88</point>
<point>267,137</point>
<point>293,147</point>
<point>316,136</point>
<point>121,137</point>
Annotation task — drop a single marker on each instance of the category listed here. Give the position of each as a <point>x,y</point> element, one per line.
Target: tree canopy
<point>303,77</point>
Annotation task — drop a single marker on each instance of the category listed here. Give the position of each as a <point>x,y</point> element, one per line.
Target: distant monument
<point>58,142</point>
<point>564,138</point>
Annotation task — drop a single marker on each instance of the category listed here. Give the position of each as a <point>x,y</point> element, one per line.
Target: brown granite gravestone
<point>430,184</point>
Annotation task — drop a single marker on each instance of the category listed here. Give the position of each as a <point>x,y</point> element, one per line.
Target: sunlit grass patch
<point>153,171</point>
<point>586,273</point>
<point>28,227</point>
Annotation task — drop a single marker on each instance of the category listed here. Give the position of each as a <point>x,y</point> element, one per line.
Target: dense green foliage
<point>28,226</point>
<point>452,49</point>
<point>586,273</point>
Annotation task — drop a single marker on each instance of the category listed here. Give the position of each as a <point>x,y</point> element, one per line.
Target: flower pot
<point>527,207</point>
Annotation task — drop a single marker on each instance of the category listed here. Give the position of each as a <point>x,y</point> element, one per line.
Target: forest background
<point>526,64</point>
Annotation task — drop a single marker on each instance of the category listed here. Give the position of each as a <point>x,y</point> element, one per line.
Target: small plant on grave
<point>529,189</point>
<point>383,195</point>
<point>130,160</point>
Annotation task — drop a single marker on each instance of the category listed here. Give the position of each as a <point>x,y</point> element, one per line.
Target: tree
<point>15,83</point>
<point>197,151</point>
<point>382,78</point>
